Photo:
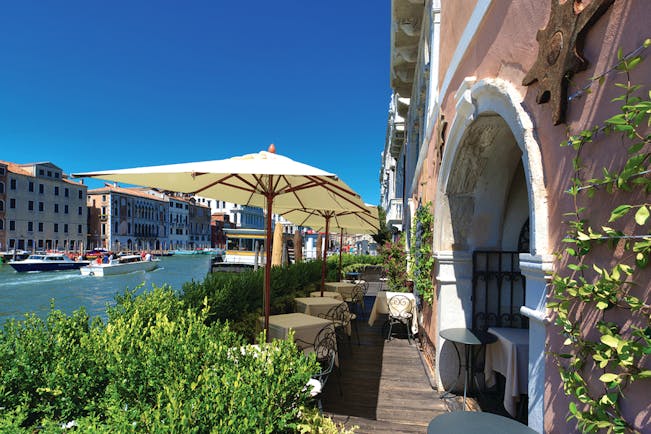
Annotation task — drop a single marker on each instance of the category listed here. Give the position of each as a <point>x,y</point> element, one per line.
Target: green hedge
<point>237,297</point>
<point>348,263</point>
<point>155,366</point>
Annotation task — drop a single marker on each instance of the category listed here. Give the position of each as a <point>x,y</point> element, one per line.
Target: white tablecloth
<point>315,305</point>
<point>381,306</point>
<point>510,357</point>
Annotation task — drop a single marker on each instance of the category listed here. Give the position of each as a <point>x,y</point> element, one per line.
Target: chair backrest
<point>326,352</point>
<point>339,314</point>
<point>400,305</point>
<point>358,293</point>
<point>363,285</point>
<point>326,332</point>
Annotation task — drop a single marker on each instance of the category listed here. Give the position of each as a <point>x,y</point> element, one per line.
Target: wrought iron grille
<point>498,290</point>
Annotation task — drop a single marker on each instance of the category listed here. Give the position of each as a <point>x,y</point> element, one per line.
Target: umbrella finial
<point>272,149</point>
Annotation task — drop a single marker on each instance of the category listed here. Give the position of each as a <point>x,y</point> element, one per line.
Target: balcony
<point>394,212</point>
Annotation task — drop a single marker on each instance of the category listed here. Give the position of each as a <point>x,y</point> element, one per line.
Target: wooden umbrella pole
<point>267,269</point>
<point>341,245</point>
<point>325,254</point>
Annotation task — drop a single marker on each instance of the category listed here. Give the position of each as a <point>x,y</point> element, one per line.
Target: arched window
<point>2,187</point>
<point>2,205</point>
<point>2,225</point>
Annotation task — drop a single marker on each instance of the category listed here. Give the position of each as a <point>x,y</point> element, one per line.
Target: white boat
<point>121,265</point>
<point>47,262</point>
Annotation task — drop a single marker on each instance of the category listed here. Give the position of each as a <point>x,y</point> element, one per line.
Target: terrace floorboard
<point>385,385</point>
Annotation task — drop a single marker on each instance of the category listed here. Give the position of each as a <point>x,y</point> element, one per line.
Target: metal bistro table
<point>469,339</point>
<point>465,422</point>
<point>353,275</point>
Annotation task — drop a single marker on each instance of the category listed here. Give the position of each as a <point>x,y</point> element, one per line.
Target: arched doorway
<point>491,198</point>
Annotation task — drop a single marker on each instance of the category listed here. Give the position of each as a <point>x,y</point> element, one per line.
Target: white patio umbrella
<point>352,220</point>
<point>265,180</point>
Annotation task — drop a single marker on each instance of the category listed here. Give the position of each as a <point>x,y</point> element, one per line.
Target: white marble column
<point>537,271</point>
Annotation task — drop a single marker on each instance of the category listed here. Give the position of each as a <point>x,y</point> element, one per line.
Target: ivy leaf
<point>642,215</point>
<point>644,374</point>
<point>609,340</point>
<point>609,378</point>
<point>619,212</point>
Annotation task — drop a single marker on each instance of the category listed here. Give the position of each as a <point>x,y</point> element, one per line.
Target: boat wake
<point>42,277</point>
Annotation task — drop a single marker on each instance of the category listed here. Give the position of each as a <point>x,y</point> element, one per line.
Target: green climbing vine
<point>422,264</point>
<point>596,366</point>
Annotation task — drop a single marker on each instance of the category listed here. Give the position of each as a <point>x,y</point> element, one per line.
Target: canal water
<point>33,292</point>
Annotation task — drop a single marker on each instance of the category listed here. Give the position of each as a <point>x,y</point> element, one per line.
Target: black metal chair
<point>341,318</point>
<point>383,280</point>
<point>400,312</point>
<point>357,299</point>
<point>326,353</point>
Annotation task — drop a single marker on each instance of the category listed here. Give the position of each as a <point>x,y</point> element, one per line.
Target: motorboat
<point>184,252</point>
<point>15,255</point>
<point>120,265</point>
<point>47,262</point>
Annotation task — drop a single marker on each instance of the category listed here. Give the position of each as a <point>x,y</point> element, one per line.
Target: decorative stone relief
<point>560,46</point>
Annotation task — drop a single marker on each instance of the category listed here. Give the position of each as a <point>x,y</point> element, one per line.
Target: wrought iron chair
<point>325,347</point>
<point>341,318</point>
<point>383,280</point>
<point>400,312</point>
<point>357,299</point>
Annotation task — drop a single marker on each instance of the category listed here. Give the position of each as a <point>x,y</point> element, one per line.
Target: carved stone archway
<point>491,145</point>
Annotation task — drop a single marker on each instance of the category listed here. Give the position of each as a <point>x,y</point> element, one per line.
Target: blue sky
<point>93,85</point>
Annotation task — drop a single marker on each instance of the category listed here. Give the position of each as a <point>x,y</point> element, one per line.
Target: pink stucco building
<point>468,136</point>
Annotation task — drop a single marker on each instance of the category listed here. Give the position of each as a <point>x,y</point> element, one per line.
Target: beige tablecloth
<point>331,294</point>
<point>315,305</point>
<point>305,327</point>
<point>510,357</point>
<point>381,306</point>
<point>343,288</point>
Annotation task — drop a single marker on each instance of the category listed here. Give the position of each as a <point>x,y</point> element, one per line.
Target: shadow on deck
<point>385,385</point>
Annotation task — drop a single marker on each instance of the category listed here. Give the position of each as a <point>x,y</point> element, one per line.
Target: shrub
<point>394,258</point>
<point>235,297</point>
<point>155,366</point>
<point>349,263</point>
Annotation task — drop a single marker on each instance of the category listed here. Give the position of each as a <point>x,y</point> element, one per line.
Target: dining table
<point>381,306</point>
<point>305,327</point>
<point>343,288</point>
<point>315,305</point>
<point>331,294</point>
<point>509,355</point>
<point>469,339</point>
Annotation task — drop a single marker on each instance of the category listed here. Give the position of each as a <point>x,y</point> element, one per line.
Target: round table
<point>466,422</point>
<point>469,338</point>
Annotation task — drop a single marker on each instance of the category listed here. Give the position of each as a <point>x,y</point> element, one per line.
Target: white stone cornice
<point>448,263</point>
<point>538,266</point>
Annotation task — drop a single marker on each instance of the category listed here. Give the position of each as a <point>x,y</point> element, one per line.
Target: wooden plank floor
<point>385,386</point>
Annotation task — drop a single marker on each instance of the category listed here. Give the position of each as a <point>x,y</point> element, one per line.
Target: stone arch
<point>491,182</point>
<point>476,102</point>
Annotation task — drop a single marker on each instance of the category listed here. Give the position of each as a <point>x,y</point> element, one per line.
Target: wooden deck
<point>385,385</point>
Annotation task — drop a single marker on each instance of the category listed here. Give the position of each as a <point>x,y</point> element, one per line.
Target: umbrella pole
<point>325,254</point>
<point>267,269</point>
<point>341,244</point>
